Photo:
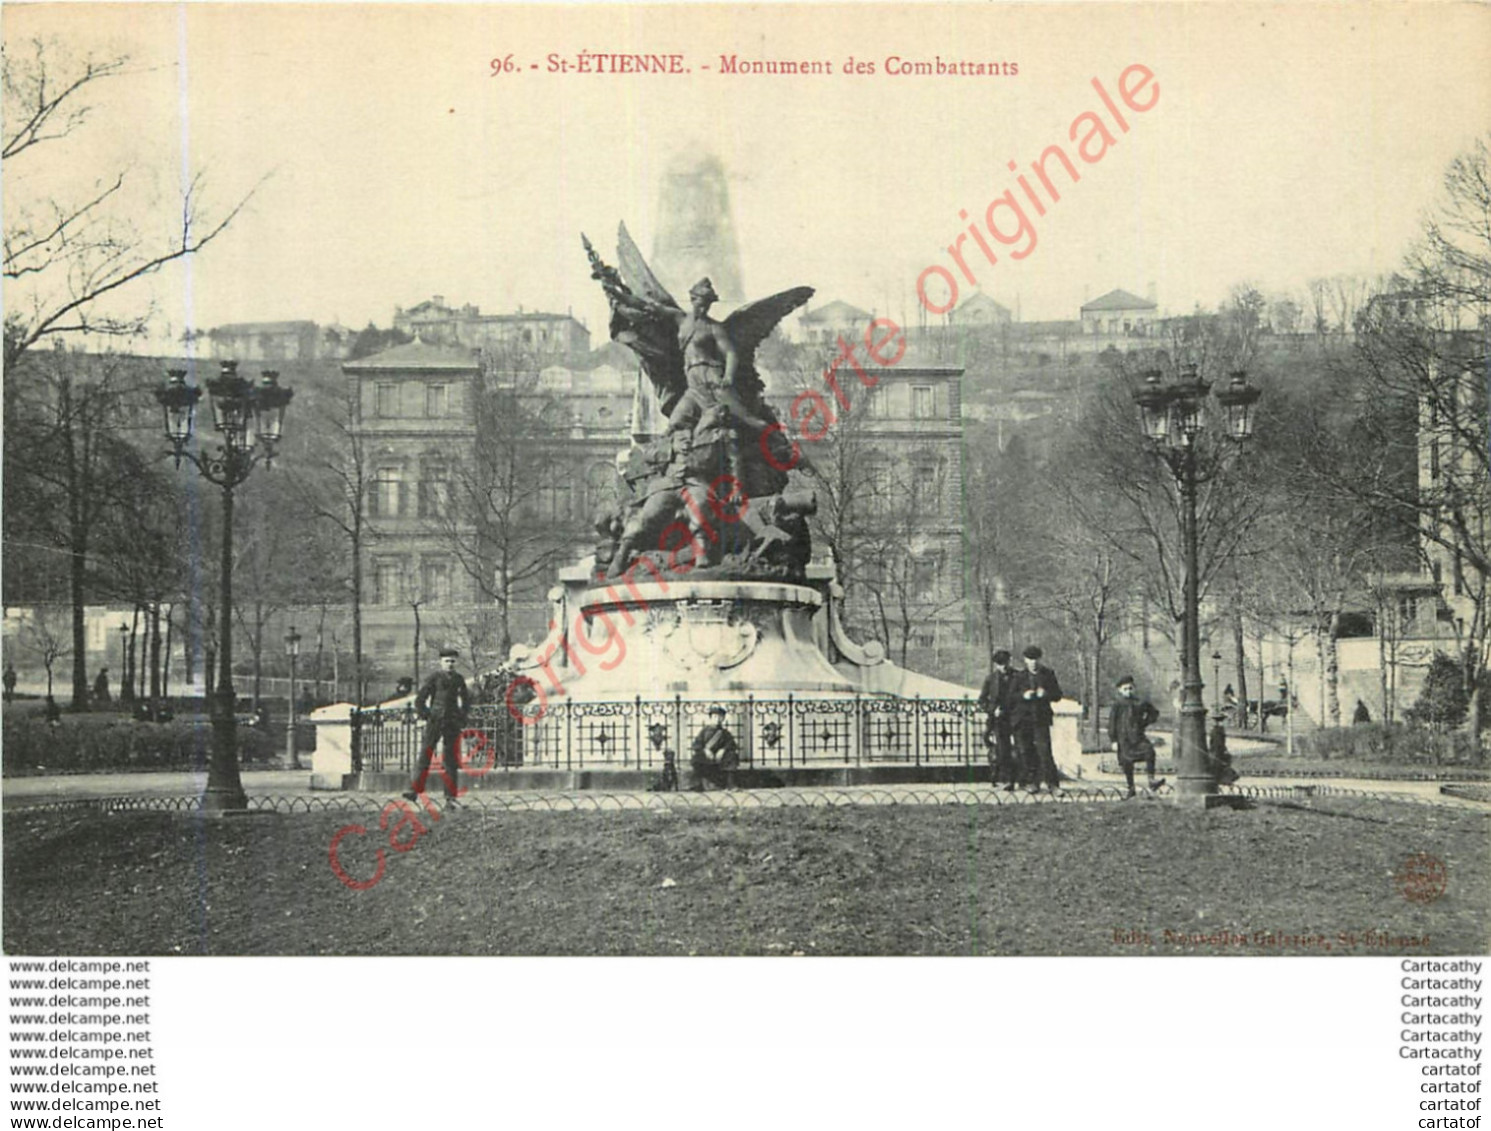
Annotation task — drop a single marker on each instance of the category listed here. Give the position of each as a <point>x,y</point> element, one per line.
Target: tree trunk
<point>257,643</point>
<point>77,581</point>
<point>357,689</point>
<point>418,628</point>
<point>165,668</point>
<point>128,680</point>
<point>1384,715</point>
<point>1240,653</point>
<point>1333,671</point>
<point>155,672</point>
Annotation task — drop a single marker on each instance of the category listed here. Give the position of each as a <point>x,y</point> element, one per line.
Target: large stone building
<point>420,424</point>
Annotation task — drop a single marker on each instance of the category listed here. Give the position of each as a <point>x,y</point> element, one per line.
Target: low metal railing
<point>772,732</point>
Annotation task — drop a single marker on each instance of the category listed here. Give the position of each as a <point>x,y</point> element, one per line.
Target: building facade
<point>535,333</point>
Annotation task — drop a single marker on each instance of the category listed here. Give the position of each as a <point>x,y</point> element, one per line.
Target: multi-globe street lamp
<point>292,650</point>
<point>1174,419</point>
<point>249,420</point>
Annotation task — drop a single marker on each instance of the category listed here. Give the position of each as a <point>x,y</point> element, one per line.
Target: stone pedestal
<point>729,638</point>
<point>332,760</point>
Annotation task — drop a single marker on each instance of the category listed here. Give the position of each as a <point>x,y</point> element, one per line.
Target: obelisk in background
<point>695,229</point>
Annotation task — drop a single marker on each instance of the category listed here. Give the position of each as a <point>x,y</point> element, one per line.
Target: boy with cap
<point>1032,693</point>
<point>1127,720</point>
<point>715,750</point>
<point>994,701</point>
<point>442,702</point>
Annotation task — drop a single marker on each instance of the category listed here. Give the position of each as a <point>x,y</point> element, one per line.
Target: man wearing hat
<point>1127,720</point>
<point>442,702</point>
<point>994,700</point>
<point>1032,692</point>
<point>715,750</point>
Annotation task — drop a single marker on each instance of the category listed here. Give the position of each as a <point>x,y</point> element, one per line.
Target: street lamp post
<point>1174,418</point>
<point>1216,683</point>
<point>292,649</point>
<point>249,420</point>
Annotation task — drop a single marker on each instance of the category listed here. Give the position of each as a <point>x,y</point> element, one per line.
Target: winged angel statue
<point>720,466</point>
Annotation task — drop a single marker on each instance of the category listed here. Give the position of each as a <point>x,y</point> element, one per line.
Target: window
<point>877,487</point>
<point>924,575</point>
<point>926,487</point>
<point>437,582</point>
<point>388,588</point>
<point>880,402</point>
<point>923,402</point>
<point>434,491</point>
<point>386,400</point>
<point>600,487</point>
<point>388,492</point>
<point>436,400</point>
<point>555,500</point>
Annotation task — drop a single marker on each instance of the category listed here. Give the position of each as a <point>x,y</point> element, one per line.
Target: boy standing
<point>1127,721</point>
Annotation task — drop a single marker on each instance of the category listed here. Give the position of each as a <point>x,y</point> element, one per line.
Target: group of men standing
<point>1018,706</point>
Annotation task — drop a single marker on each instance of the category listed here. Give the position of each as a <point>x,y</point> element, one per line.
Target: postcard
<point>489,483</point>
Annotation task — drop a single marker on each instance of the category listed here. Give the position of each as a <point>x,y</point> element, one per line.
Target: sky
<point>388,163</point>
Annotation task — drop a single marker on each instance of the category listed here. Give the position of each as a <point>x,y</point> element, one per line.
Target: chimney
<point>439,300</point>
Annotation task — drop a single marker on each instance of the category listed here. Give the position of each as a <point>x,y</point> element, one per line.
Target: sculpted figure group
<point>711,470</point>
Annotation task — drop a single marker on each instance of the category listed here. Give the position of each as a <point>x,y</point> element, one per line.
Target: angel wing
<point>638,275</point>
<point>748,327</point>
<point>650,334</point>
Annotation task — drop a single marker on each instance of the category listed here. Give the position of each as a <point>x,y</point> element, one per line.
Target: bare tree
<point>336,488</point>
<point>67,257</point>
<point>1416,387</point>
<point>66,450</point>
<point>509,519</point>
<point>45,638</point>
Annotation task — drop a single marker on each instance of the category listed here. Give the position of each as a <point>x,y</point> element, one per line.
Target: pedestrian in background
<point>1032,693</point>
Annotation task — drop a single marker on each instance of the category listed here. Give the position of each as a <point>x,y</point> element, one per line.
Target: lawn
<point>1106,878</point>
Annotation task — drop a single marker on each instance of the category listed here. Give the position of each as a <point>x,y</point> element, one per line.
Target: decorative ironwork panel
<point>888,729</point>
<point>825,729</point>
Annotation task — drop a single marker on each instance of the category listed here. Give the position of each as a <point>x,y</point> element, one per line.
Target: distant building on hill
<point>1118,312</point>
<point>980,310</point>
<point>825,323</point>
<point>535,332</point>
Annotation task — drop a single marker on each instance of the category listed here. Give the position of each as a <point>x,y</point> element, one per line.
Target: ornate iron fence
<point>772,732</point>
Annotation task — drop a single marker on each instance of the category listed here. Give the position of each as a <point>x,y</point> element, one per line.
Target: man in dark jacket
<point>1032,692</point>
<point>442,702</point>
<point>1127,721</point>
<point>994,700</point>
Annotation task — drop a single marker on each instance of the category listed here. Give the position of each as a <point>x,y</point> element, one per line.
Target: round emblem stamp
<point>1421,878</point>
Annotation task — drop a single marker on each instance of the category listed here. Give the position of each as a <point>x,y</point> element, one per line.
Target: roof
<point>239,329</point>
<point>418,355</point>
<point>1118,300</point>
<point>836,311</point>
<point>526,316</point>
<point>979,300</point>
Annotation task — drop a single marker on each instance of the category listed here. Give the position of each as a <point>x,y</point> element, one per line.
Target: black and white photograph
<point>748,482</point>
